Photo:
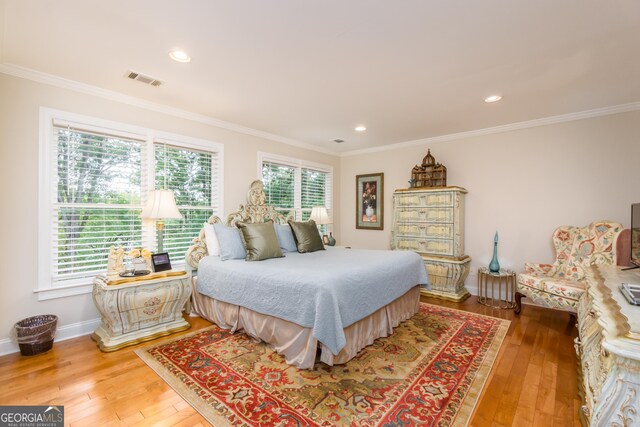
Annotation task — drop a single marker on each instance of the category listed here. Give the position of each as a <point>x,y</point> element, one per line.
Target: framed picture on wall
<point>370,201</point>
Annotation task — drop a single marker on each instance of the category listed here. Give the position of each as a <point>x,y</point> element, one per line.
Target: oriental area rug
<point>429,372</point>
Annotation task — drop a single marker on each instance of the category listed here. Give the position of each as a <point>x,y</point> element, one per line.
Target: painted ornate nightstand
<point>139,309</point>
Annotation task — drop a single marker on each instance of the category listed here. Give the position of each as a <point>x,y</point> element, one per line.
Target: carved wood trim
<point>255,211</point>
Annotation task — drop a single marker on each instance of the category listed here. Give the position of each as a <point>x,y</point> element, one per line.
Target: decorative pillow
<point>231,246</point>
<point>260,241</point>
<point>211,240</point>
<point>285,238</point>
<point>307,236</point>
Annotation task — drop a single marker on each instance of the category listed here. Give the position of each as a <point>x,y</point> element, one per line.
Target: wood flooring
<point>533,383</point>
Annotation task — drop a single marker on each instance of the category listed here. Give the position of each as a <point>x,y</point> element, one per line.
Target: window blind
<point>279,186</point>
<point>98,181</point>
<point>192,175</point>
<point>293,187</point>
<point>97,177</point>
<point>316,191</point>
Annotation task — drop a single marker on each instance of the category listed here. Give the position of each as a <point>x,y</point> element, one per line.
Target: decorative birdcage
<point>429,174</point>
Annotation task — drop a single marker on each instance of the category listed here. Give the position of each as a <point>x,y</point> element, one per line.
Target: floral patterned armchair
<point>560,285</point>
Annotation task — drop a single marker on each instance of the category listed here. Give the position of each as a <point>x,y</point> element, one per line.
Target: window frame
<point>46,287</point>
<point>300,164</point>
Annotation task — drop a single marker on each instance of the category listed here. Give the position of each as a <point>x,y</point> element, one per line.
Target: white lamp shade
<point>319,215</point>
<point>161,204</point>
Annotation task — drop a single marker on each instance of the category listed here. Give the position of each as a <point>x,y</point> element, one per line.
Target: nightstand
<point>504,298</point>
<point>139,308</point>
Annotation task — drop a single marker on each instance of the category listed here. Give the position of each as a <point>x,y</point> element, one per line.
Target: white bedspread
<point>325,290</point>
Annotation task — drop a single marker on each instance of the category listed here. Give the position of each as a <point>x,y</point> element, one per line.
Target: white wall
<point>20,101</point>
<point>523,183</point>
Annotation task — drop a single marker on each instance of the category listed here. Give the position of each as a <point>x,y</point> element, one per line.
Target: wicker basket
<point>35,334</point>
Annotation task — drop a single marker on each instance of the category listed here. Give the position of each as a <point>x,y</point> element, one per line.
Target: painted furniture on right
<point>608,349</point>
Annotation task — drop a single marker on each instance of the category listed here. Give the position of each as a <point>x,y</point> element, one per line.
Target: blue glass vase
<point>494,265</point>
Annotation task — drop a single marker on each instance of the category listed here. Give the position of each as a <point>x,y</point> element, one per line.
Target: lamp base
<point>160,235</point>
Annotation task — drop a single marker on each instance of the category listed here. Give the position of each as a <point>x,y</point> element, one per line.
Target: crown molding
<point>49,79</point>
<point>605,111</point>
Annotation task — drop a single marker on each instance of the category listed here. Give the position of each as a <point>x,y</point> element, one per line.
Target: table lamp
<point>161,204</point>
<point>320,216</point>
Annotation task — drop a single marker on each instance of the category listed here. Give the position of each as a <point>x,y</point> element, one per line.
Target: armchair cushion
<point>552,293</point>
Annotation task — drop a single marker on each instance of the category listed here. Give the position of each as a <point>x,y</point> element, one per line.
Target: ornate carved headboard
<point>256,210</point>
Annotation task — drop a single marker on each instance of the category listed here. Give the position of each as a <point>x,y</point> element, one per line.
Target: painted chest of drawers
<point>139,310</point>
<point>430,221</point>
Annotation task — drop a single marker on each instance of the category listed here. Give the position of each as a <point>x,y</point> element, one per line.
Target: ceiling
<point>310,71</point>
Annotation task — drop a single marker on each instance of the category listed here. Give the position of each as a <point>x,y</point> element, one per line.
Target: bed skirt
<point>296,343</point>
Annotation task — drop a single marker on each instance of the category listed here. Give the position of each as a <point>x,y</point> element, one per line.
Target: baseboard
<point>471,283</point>
<point>65,332</point>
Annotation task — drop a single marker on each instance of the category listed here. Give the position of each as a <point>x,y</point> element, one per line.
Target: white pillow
<point>211,240</point>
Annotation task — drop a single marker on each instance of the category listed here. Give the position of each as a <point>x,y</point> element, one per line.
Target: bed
<point>330,303</point>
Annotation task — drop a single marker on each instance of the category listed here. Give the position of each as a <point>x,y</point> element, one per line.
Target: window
<point>94,179</point>
<point>97,199</point>
<point>191,175</point>
<point>296,186</point>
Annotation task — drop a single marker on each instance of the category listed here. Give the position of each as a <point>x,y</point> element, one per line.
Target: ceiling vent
<point>338,140</point>
<point>143,78</point>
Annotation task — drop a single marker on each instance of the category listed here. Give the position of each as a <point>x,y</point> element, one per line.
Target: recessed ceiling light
<point>360,128</point>
<point>180,56</point>
<point>493,98</point>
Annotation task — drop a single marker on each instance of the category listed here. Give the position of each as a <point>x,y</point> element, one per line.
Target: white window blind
<point>279,186</point>
<point>98,180</point>
<point>193,176</point>
<point>95,178</point>
<point>295,187</point>
<point>316,191</point>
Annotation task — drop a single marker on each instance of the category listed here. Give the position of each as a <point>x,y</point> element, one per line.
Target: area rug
<point>429,372</point>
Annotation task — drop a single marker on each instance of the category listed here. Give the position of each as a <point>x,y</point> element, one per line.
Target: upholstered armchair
<point>560,285</point>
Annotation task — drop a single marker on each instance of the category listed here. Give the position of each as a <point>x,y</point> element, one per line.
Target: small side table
<point>504,279</point>
<point>139,309</point>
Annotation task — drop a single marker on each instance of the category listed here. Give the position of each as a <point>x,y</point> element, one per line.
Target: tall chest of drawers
<point>430,221</point>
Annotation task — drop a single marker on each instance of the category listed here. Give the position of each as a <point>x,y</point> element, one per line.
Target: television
<point>635,234</point>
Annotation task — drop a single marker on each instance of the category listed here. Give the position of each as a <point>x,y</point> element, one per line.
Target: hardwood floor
<point>533,383</point>
<point>534,380</point>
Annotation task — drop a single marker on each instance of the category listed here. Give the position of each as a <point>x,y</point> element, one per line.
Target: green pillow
<point>307,236</point>
<point>260,241</point>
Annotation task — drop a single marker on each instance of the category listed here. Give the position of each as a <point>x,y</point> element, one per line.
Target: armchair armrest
<point>537,269</point>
